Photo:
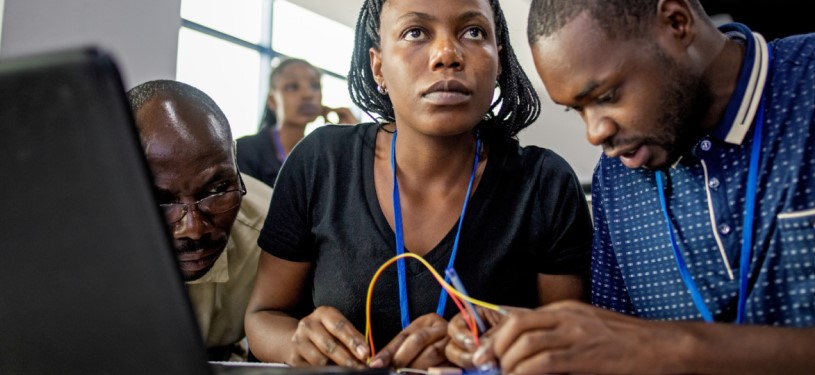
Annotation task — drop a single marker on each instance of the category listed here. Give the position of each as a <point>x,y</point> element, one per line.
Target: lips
<point>309,109</point>
<point>635,158</point>
<point>198,259</point>
<point>447,92</point>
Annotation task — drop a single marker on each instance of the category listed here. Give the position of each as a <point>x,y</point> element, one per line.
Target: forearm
<point>269,334</point>
<point>730,349</point>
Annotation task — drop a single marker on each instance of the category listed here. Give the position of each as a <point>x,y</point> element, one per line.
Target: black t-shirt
<point>527,216</point>
<point>257,156</point>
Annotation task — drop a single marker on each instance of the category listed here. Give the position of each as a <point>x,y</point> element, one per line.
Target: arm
<point>274,335</point>
<point>277,291</point>
<point>575,337</point>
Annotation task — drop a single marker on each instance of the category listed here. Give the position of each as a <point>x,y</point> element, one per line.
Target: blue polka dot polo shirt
<point>634,270</point>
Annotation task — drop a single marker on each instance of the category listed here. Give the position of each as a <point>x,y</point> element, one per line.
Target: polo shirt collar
<point>744,102</point>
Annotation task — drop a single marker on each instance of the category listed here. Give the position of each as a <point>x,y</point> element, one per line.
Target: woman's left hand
<point>344,115</point>
<point>420,345</point>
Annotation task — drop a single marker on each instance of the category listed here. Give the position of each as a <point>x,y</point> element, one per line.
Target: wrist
<point>676,348</point>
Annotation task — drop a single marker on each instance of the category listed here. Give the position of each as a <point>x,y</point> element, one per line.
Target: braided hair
<point>518,101</point>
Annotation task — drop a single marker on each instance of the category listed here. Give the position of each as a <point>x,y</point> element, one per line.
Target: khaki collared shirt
<point>219,298</point>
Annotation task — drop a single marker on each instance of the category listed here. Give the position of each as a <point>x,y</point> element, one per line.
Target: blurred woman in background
<point>295,100</point>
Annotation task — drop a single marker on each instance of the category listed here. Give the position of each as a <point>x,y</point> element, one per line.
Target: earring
<point>382,90</point>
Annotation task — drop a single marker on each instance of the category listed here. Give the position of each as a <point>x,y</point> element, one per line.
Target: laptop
<point>88,279</point>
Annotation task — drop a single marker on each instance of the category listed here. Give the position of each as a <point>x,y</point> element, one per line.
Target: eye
<point>608,97</point>
<point>165,197</point>
<point>413,33</point>
<point>218,189</point>
<point>292,86</point>
<point>475,33</point>
<point>316,86</point>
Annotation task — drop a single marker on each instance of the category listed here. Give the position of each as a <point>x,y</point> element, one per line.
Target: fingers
<point>345,332</point>
<point>460,333</point>
<point>422,343</point>
<point>461,345</point>
<point>344,115</point>
<point>517,324</point>
<point>324,337</point>
<point>459,356</point>
<point>538,363</point>
<point>534,347</point>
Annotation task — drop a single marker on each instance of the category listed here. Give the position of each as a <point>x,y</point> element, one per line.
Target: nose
<point>193,224</point>
<point>446,53</point>
<point>599,129</point>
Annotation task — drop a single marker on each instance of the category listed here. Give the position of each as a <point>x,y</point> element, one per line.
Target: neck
<point>721,75</point>
<point>427,159</point>
<point>289,135</point>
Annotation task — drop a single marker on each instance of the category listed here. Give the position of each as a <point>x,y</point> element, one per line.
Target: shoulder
<point>252,139</point>
<point>255,204</point>
<point>794,58</point>
<point>545,161</point>
<point>333,139</point>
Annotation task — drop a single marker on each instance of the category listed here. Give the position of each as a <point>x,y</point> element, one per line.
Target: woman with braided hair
<point>439,174</point>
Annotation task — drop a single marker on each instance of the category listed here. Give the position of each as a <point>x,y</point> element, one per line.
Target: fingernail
<point>466,340</point>
<point>480,356</point>
<point>377,363</point>
<point>361,351</point>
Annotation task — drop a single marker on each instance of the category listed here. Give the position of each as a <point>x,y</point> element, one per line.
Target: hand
<point>573,337</point>
<point>420,345</point>
<point>344,115</point>
<point>462,346</point>
<point>325,336</point>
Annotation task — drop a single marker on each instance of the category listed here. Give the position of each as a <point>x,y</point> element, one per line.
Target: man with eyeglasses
<point>213,212</point>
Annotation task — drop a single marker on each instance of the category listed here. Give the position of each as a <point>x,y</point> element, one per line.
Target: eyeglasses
<point>214,204</point>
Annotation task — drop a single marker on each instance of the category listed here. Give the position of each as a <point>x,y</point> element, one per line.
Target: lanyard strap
<point>400,237</point>
<point>281,153</point>
<point>747,231</point>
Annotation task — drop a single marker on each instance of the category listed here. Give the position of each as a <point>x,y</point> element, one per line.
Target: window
<point>227,49</point>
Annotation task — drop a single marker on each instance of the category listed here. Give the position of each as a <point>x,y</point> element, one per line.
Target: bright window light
<point>304,34</point>
<point>240,18</point>
<point>225,71</point>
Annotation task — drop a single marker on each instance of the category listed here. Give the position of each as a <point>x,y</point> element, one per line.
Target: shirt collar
<point>219,273</point>
<point>744,102</point>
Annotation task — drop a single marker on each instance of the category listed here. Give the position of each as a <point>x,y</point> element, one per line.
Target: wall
<point>2,5</point>
<point>141,35</point>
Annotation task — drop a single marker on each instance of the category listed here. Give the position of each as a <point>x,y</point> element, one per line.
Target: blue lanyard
<point>400,237</point>
<point>747,231</point>
<point>281,153</point>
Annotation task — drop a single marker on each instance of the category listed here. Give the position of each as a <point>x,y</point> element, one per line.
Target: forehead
<point>447,10</point>
<point>297,70</point>
<point>580,55</point>
<point>178,134</point>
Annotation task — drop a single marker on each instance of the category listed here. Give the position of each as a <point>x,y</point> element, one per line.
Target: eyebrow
<point>419,15</point>
<point>427,17</point>
<point>587,89</point>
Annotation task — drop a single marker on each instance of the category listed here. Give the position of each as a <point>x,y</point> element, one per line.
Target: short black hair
<point>619,18</point>
<point>145,92</point>
<point>519,103</point>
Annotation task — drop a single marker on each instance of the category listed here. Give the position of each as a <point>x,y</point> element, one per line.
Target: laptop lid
<point>89,280</point>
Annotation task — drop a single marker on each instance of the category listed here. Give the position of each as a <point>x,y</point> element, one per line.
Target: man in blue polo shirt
<point>704,202</point>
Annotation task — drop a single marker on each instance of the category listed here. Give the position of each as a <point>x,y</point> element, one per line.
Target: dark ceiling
<point>771,18</point>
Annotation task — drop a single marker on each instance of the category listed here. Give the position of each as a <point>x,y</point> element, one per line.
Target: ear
<point>376,65</point>
<point>676,22</point>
